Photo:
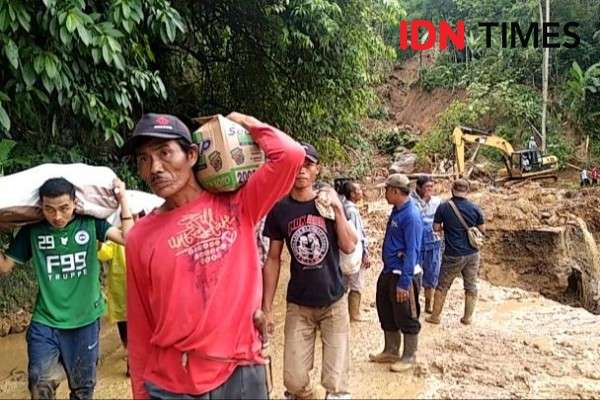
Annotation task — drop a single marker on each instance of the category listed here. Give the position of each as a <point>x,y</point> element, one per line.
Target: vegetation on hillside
<point>504,84</point>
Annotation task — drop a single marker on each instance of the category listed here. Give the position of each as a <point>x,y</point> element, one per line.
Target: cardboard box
<point>228,155</point>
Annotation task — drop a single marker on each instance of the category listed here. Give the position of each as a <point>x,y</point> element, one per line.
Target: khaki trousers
<point>301,324</point>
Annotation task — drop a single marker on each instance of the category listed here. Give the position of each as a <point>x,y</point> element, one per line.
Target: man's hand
<point>366,263</point>
<point>6,264</point>
<point>119,189</point>
<point>334,199</point>
<point>264,324</point>
<point>244,120</point>
<point>401,295</point>
<point>269,322</point>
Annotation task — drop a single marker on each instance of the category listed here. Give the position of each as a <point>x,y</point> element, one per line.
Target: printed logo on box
<point>238,155</point>
<point>215,160</point>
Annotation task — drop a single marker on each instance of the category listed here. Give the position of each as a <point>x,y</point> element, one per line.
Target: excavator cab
<point>526,161</point>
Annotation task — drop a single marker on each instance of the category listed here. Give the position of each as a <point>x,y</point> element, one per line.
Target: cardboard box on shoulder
<point>228,155</point>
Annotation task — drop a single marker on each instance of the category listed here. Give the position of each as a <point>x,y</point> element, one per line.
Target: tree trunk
<point>545,78</point>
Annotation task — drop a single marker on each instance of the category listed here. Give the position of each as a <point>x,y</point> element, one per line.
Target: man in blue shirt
<point>459,256</point>
<point>398,288</point>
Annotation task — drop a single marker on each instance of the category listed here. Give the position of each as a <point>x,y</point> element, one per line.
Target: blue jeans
<point>431,260</point>
<point>246,382</point>
<point>75,349</point>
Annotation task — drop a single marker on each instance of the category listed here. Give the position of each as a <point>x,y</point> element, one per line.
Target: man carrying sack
<point>65,325</point>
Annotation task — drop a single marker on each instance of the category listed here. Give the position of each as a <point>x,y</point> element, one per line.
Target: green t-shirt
<point>67,269</point>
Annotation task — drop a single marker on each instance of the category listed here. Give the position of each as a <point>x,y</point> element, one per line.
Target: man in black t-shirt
<point>459,256</point>
<point>315,293</point>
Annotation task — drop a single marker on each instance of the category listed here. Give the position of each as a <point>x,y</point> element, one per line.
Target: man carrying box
<point>194,282</point>
<point>65,323</point>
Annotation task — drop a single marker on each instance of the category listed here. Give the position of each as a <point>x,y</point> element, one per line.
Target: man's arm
<point>6,264</point>
<point>118,235</point>
<point>481,228</point>
<point>480,223</point>
<point>346,234</point>
<point>364,239</point>
<point>270,280</point>
<point>413,230</point>
<point>438,218</point>
<point>275,178</point>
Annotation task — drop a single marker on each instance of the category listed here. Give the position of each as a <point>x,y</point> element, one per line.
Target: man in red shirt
<point>193,277</point>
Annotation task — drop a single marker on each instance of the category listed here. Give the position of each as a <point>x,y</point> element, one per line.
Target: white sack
<point>19,198</point>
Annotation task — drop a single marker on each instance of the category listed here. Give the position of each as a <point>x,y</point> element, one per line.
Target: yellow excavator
<point>520,164</point>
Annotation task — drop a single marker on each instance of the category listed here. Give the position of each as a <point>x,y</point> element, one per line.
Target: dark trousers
<point>246,382</point>
<point>395,316</point>
<point>75,349</point>
<point>122,328</point>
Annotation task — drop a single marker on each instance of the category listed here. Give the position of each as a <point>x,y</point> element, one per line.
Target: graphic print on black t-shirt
<point>308,240</point>
<point>315,275</point>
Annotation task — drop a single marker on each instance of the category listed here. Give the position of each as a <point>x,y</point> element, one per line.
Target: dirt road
<point>520,345</point>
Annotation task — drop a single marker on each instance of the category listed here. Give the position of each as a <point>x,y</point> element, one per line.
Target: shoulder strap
<point>458,214</point>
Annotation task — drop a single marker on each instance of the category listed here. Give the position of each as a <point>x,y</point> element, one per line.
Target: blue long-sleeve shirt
<point>402,242</point>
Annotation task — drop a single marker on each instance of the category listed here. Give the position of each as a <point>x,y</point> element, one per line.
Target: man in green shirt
<point>65,326</point>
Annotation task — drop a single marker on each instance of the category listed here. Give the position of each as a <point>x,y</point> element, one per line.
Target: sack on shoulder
<point>350,263</point>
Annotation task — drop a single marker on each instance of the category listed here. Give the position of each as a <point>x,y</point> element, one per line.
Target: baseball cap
<point>163,126</point>
<point>397,180</point>
<point>460,187</point>
<point>311,153</point>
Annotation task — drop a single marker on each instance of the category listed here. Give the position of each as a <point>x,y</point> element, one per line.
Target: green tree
<point>581,97</point>
<point>74,70</point>
<point>307,65</point>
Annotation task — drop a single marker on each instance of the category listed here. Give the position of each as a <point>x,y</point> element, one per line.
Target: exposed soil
<point>409,107</point>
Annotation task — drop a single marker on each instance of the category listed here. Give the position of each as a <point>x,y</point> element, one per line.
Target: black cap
<point>163,126</point>
<point>311,153</point>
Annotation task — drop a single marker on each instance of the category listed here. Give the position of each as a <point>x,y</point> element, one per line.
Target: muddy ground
<point>521,345</point>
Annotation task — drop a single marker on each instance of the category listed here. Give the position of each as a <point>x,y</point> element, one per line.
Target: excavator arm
<point>462,135</point>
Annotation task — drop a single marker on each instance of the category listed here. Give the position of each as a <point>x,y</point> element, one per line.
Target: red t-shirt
<point>194,280</point>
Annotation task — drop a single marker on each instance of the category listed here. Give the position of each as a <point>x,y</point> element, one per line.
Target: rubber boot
<point>391,349</point>
<point>429,300</point>
<point>438,304</point>
<point>354,298</point>
<point>408,359</point>
<point>470,301</point>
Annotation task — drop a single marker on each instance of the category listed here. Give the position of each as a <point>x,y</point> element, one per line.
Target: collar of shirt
<point>401,207</point>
